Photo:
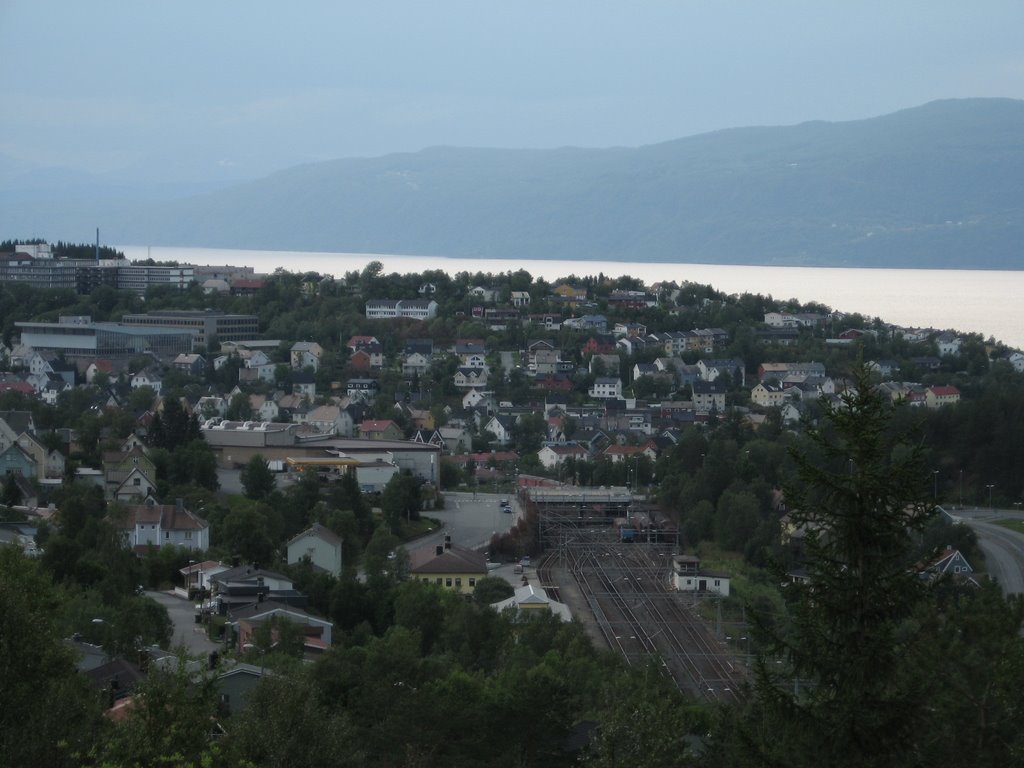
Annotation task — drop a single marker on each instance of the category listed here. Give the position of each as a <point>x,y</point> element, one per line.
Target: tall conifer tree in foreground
<point>832,688</point>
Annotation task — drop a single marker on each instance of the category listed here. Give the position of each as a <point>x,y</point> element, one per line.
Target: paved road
<point>1003,548</point>
<point>186,631</point>
<point>1004,554</point>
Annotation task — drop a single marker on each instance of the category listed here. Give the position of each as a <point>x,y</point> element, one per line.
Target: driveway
<point>186,632</point>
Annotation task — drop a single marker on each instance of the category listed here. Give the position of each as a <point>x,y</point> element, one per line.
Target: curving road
<point>1004,554</point>
<point>1003,548</point>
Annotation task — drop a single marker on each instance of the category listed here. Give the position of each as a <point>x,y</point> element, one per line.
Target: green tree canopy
<point>258,481</point>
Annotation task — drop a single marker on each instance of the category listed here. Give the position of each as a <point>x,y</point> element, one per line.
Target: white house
<point>415,309</point>
<point>688,576</point>
<point>473,360</point>
<point>147,379</point>
<point>151,524</point>
<point>471,378</point>
<point>476,397</point>
<point>780,320</point>
<point>551,456</point>
<point>606,388</point>
<point>415,362</point>
<point>501,428</point>
<point>321,545</point>
<point>708,396</point>
<point>948,344</point>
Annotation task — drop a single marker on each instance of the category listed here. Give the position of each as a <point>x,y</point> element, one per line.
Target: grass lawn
<point>416,528</point>
<point>1013,525</point>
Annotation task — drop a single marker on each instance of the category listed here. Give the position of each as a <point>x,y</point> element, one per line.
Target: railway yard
<point>626,589</point>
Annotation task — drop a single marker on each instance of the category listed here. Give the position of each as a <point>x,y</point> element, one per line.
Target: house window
<point>188,534</point>
<point>438,581</point>
<point>458,581</point>
<point>472,581</point>
<point>167,534</point>
<point>448,581</point>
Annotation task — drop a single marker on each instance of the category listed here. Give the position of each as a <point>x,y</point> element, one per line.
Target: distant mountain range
<point>937,186</point>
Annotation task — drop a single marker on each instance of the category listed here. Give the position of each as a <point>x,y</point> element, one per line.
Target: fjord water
<point>987,302</point>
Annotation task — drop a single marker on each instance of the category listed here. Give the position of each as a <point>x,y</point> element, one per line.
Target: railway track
<point>627,589</point>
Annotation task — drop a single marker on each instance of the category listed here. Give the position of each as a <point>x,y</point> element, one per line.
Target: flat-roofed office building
<point>204,324</point>
<point>81,338</point>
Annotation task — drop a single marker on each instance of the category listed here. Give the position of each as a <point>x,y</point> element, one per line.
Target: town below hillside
<point>280,450</point>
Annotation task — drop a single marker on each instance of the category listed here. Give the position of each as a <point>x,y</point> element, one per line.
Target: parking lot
<point>472,519</point>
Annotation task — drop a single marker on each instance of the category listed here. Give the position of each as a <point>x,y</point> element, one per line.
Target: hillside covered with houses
<point>572,379</point>
<point>265,444</point>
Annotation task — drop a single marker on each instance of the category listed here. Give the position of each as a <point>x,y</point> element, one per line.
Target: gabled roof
<point>317,531</point>
<point>258,611</point>
<point>377,425</point>
<point>245,573</point>
<point>169,516</point>
<point>452,559</point>
<point>569,449</point>
<point>529,597</point>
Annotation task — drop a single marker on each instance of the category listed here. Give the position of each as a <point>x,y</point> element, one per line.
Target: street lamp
<point>935,485</point>
<point>961,489</point>
<point>990,486</point>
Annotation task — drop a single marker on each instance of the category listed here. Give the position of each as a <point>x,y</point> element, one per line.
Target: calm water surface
<point>985,302</point>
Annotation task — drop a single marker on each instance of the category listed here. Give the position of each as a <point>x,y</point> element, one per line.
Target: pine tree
<point>833,689</point>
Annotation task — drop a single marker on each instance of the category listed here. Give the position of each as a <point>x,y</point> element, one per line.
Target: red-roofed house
<point>357,342</point>
<point>246,286</point>
<point>619,453</point>
<point>16,385</point>
<point>376,429</point>
<point>98,366</point>
<point>936,397</point>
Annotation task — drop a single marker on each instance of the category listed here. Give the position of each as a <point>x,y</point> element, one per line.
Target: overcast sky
<point>200,87</point>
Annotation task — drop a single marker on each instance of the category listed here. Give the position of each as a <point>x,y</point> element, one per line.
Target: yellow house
<point>448,565</point>
<point>768,394</point>
<point>571,293</point>
<point>936,397</point>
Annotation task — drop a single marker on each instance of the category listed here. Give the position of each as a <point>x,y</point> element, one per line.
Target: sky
<point>235,89</point>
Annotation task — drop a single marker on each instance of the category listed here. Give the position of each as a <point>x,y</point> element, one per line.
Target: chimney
<point>179,504</point>
<point>439,549</point>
